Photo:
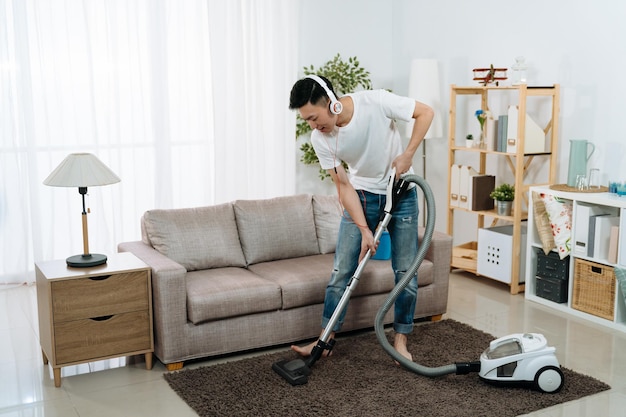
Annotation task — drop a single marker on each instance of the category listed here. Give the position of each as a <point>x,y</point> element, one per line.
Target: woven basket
<point>594,289</point>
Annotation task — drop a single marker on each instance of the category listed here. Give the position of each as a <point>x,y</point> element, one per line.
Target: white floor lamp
<point>424,87</point>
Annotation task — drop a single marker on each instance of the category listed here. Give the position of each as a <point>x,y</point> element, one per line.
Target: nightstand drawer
<point>85,339</point>
<point>99,296</point>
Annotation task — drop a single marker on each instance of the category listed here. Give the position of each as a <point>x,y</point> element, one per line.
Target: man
<point>360,130</point>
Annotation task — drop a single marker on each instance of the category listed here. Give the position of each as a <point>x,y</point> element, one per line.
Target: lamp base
<point>85,261</point>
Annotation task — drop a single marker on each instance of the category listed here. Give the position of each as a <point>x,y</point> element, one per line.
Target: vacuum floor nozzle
<point>296,371</point>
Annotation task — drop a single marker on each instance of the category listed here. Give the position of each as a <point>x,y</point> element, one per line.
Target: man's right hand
<point>367,243</point>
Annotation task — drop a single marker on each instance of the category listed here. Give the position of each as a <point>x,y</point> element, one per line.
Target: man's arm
<point>351,202</point>
<point>423,115</point>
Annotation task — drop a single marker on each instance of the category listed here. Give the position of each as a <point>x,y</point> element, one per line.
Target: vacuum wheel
<point>549,379</point>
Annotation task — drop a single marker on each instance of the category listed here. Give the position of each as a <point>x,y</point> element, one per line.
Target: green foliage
<point>346,77</point>
<point>504,192</point>
<point>469,137</point>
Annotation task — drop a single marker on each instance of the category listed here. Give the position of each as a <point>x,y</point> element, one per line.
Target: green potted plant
<point>346,77</point>
<point>469,141</point>
<point>504,195</point>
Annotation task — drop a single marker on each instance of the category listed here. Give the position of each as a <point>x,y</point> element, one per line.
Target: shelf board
<point>567,309</point>
<point>531,90</point>
<point>492,213</point>
<point>466,149</point>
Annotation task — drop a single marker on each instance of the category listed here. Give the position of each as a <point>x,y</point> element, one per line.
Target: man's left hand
<point>402,164</point>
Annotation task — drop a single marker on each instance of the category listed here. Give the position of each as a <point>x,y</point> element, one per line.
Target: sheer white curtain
<point>186,101</point>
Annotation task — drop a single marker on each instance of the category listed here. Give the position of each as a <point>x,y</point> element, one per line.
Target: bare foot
<point>306,350</point>
<point>399,344</point>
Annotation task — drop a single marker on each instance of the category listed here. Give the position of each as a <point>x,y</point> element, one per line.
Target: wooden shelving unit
<point>517,162</point>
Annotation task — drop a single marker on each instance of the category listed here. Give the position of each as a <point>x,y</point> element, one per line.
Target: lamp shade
<point>424,87</point>
<point>81,170</point>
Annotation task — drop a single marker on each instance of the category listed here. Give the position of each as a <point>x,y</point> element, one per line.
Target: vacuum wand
<point>296,371</point>
<point>322,344</point>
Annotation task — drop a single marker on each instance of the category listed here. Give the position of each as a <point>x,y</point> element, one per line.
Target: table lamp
<point>82,170</point>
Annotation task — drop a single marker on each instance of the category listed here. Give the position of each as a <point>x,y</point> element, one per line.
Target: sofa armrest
<point>440,254</point>
<point>169,297</point>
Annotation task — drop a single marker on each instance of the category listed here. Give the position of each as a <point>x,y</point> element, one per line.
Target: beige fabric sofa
<point>252,274</point>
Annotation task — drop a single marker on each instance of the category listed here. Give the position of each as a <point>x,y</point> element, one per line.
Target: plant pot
<point>469,143</point>
<point>504,207</point>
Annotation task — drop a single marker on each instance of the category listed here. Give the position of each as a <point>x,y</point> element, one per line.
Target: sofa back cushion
<point>327,213</point>
<point>197,238</point>
<point>276,228</point>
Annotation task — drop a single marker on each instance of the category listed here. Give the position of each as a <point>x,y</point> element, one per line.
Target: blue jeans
<point>404,243</point>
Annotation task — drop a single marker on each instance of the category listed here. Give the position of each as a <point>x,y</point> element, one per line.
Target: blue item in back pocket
<point>383,252</point>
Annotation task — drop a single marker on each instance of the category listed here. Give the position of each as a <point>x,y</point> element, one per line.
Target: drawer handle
<point>100,278</point>
<point>102,318</point>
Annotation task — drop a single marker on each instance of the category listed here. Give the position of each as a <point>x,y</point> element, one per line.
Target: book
<point>480,188</point>
<point>502,129</point>
<point>613,239</point>
<point>491,133</point>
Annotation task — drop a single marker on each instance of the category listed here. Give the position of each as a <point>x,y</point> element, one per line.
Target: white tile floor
<point>124,387</point>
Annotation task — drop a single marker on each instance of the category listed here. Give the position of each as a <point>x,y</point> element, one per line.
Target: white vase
<point>469,143</point>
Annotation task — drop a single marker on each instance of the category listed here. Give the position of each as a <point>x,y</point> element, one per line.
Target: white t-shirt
<point>369,142</point>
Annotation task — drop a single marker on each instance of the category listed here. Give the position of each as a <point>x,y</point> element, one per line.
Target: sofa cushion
<point>196,238</point>
<point>214,294</point>
<point>276,228</point>
<point>303,280</point>
<point>327,213</point>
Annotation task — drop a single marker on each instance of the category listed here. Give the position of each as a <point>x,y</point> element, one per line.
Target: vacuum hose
<point>458,368</point>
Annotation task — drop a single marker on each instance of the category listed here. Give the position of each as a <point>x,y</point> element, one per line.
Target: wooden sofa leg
<point>175,366</point>
<point>438,317</point>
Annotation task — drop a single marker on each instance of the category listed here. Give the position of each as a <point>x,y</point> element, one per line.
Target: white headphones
<point>335,105</point>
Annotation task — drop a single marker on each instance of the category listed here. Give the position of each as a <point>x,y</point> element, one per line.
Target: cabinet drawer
<point>99,296</point>
<point>85,339</point>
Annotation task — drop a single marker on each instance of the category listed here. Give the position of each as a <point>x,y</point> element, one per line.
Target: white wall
<point>578,44</point>
<point>358,28</point>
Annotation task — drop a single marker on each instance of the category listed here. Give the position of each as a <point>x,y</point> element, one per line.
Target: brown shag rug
<point>361,379</point>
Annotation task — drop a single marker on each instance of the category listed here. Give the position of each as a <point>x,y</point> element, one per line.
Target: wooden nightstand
<point>90,314</point>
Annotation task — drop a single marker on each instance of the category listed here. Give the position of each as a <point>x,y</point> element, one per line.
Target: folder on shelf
<point>602,236</point>
<point>491,134</point>
<point>455,176</point>
<point>581,226</point>
<point>621,245</point>
<point>465,174</point>
<point>591,241</point>
<point>534,136</point>
<point>480,188</point>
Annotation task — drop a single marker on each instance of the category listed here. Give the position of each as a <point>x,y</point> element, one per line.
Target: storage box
<point>552,266</point>
<point>464,256</point>
<point>553,289</point>
<point>495,253</point>
<point>594,289</point>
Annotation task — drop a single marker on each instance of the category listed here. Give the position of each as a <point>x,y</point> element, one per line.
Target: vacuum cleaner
<point>517,359</point>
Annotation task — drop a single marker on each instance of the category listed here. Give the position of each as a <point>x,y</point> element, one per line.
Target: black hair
<point>307,90</point>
